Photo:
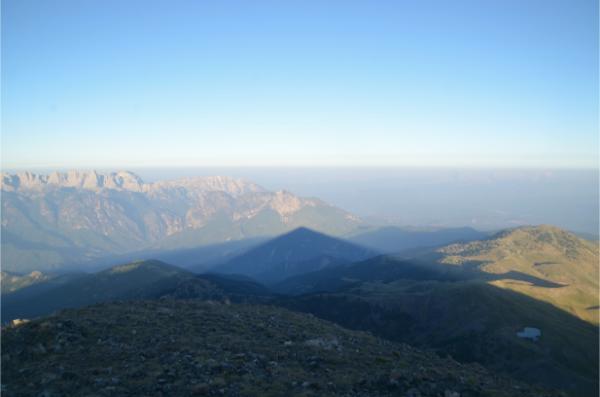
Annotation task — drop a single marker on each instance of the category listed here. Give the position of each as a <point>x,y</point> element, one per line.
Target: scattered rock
<point>323,343</point>
<point>413,393</point>
<point>19,321</point>
<point>212,349</point>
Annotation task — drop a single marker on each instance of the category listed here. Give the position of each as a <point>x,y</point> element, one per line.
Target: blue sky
<point>338,83</point>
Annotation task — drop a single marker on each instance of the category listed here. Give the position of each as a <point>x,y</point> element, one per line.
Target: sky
<point>147,83</point>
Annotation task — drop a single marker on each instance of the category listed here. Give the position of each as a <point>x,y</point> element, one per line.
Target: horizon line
<point>62,168</point>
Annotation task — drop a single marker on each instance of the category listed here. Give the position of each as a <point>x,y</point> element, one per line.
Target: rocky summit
<point>187,348</point>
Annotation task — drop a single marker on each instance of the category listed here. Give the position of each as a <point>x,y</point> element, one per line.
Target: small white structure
<point>530,333</point>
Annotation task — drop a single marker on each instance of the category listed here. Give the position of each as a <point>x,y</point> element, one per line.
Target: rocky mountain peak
<point>229,185</point>
<point>285,203</point>
<point>89,180</point>
<point>122,180</point>
<point>23,180</point>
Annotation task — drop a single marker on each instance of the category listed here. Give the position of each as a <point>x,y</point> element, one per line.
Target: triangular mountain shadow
<point>299,251</point>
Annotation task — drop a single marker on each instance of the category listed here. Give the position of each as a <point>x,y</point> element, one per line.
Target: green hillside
<point>544,252</point>
<point>470,300</point>
<point>144,279</point>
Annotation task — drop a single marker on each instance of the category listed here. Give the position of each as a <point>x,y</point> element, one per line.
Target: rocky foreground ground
<point>191,348</point>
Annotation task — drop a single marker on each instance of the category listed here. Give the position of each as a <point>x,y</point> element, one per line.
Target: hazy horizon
<point>485,199</point>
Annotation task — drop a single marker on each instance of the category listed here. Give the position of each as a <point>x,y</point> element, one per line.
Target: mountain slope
<point>473,322</point>
<point>66,218</point>
<point>197,259</point>
<point>544,252</point>
<point>173,347</point>
<point>381,268</point>
<point>144,279</point>
<point>11,282</point>
<point>300,251</point>
<point>391,239</point>
<point>471,299</point>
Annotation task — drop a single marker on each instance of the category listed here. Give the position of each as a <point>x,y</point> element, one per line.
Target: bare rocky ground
<point>191,348</point>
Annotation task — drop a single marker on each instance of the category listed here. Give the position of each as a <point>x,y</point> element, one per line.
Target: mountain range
<point>52,220</point>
